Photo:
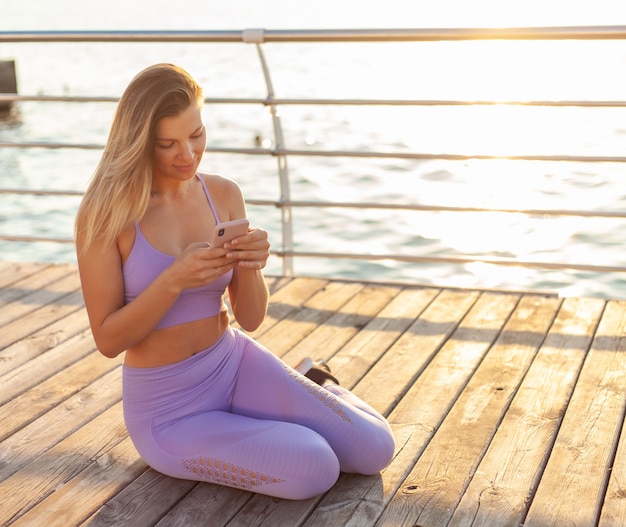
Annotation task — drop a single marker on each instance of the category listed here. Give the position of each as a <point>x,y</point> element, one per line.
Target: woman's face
<point>179,145</point>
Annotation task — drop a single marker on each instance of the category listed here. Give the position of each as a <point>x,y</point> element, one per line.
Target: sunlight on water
<point>478,71</point>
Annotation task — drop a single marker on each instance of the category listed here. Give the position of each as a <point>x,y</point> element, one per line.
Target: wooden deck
<point>508,410</point>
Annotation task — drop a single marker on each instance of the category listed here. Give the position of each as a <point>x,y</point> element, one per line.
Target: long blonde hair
<point>119,191</point>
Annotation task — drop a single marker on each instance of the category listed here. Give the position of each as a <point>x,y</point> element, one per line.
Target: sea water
<point>485,71</point>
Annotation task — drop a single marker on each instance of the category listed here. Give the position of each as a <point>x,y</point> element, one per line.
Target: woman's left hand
<point>251,250</point>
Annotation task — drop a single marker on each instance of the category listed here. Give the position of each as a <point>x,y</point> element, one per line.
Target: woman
<point>202,400</point>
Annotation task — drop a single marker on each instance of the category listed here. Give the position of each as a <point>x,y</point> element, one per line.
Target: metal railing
<point>281,153</point>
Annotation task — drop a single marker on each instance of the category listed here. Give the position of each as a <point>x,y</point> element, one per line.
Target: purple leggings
<point>236,415</point>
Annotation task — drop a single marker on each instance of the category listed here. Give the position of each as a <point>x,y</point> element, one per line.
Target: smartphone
<point>226,231</point>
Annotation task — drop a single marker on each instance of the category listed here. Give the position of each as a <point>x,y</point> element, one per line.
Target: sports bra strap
<point>208,197</point>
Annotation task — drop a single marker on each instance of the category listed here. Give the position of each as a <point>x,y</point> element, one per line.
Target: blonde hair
<point>119,191</point>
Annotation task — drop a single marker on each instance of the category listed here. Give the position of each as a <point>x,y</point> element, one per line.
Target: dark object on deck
<point>8,83</point>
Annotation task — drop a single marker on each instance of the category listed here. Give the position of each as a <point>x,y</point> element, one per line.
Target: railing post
<point>8,84</point>
<point>256,36</point>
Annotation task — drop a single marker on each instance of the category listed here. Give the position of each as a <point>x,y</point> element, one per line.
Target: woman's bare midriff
<point>176,343</point>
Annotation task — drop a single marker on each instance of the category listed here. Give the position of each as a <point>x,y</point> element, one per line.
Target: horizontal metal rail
<point>366,205</point>
<point>14,97</point>
<point>458,260</point>
<point>344,153</point>
<point>448,157</point>
<point>260,36</point>
<point>440,208</point>
<point>33,239</point>
<point>41,192</point>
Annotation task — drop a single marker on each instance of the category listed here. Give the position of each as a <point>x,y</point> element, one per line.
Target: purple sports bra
<point>145,263</point>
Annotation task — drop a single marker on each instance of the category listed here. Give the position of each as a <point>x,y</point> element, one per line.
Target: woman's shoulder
<point>218,184</point>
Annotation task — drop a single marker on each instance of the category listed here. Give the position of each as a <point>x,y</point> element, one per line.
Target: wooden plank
<point>508,474</point>
<point>402,364</point>
<point>206,504</point>
<point>72,502</point>
<point>27,444</point>
<point>38,370</point>
<point>262,510</point>
<point>325,340</point>
<point>288,300</point>
<point>357,357</point>
<point>144,496</point>
<point>426,403</point>
<point>434,487</point>
<point>48,471</point>
<point>614,507</point>
<point>12,272</point>
<point>43,340</point>
<point>573,484</point>
<point>40,318</point>
<point>46,394</point>
<point>274,283</point>
<point>36,290</point>
<point>437,388</point>
<point>281,337</point>
<point>16,285</point>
